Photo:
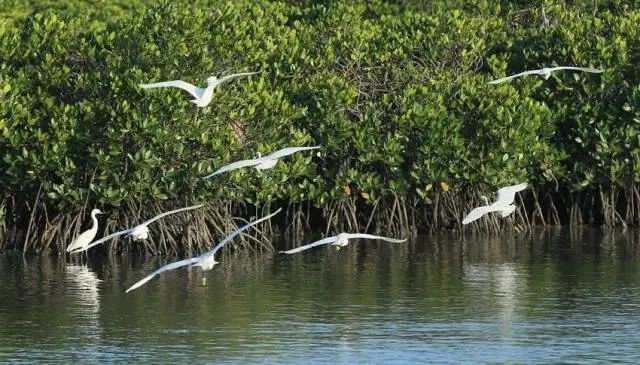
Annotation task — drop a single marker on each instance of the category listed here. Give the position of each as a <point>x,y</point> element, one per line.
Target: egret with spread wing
<point>202,95</point>
<point>261,162</point>
<point>546,72</point>
<point>87,236</point>
<point>340,240</point>
<point>139,232</point>
<point>503,204</point>
<point>207,260</point>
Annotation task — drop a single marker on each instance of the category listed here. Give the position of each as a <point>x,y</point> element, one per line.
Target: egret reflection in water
<point>501,282</point>
<point>83,291</point>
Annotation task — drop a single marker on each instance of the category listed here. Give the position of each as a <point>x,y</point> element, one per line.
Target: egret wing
<point>508,210</point>
<point>374,237</point>
<point>288,151</point>
<point>476,213</point>
<point>191,89</point>
<point>164,268</point>
<point>84,237</point>
<point>238,231</point>
<point>233,76</point>
<point>507,78</point>
<point>236,165</point>
<point>584,69</point>
<point>507,194</point>
<point>103,239</point>
<point>170,212</point>
<point>323,241</point>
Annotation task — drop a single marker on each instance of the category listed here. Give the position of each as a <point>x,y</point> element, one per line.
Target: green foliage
<point>394,92</point>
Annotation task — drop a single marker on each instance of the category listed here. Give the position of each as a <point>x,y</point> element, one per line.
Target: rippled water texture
<point>556,296</point>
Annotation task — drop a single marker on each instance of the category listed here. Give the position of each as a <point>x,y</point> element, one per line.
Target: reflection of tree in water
<point>367,301</point>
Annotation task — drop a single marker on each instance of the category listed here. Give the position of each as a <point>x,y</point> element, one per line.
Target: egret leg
<point>204,280</point>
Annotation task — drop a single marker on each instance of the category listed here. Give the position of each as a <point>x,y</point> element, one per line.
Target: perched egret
<point>139,232</point>
<point>261,162</point>
<point>83,240</point>
<point>207,260</point>
<point>340,240</point>
<point>546,72</point>
<point>503,204</point>
<point>202,96</point>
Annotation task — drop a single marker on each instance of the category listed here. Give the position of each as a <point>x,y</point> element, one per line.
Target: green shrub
<point>394,92</point>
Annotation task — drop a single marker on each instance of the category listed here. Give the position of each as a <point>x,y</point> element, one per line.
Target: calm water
<point>556,296</point>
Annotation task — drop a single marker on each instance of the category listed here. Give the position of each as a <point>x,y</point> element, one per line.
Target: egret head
<point>486,200</point>
<point>96,211</point>
<point>211,80</point>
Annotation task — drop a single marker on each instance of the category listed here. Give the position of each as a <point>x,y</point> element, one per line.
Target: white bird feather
<point>261,162</point>
<point>502,204</point>
<point>340,240</point>
<point>202,95</point>
<point>138,232</point>
<point>87,236</point>
<point>545,72</point>
<point>207,260</point>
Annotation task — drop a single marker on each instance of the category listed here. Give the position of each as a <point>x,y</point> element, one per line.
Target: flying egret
<point>207,260</point>
<point>261,162</point>
<point>139,232</point>
<point>503,204</point>
<point>202,96</point>
<point>340,240</point>
<point>87,236</point>
<point>546,72</point>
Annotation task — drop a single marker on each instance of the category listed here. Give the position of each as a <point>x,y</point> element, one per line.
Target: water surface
<point>556,296</point>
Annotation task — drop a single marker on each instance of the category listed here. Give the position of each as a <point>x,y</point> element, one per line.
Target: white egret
<point>340,240</point>
<point>503,204</point>
<point>202,95</point>
<point>546,72</point>
<point>261,162</point>
<point>205,261</point>
<point>87,236</point>
<point>139,232</point>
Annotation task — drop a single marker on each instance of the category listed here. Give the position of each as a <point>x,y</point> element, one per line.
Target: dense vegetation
<point>394,92</point>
